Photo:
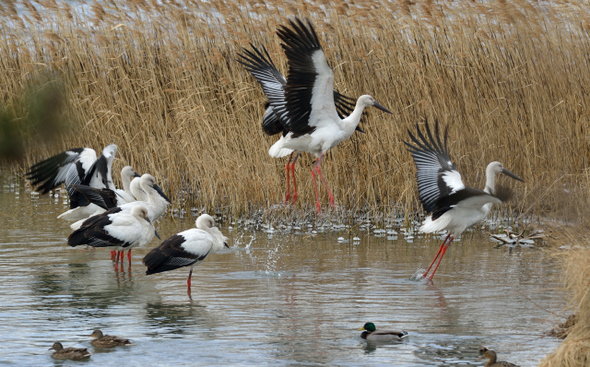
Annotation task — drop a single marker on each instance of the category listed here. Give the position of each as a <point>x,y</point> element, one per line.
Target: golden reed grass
<point>574,254</point>
<point>161,81</point>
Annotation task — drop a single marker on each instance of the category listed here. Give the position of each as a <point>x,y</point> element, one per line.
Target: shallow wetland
<point>282,297</point>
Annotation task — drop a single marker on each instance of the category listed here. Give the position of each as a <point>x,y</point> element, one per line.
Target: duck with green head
<point>371,333</point>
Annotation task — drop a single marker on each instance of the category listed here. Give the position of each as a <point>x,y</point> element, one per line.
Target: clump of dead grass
<point>574,253</point>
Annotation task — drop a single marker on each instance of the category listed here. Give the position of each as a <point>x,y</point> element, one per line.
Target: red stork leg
<point>294,181</point>
<point>315,188</point>
<point>113,254</point>
<point>436,257</point>
<point>288,194</point>
<point>444,249</point>
<point>188,282</point>
<point>116,261</point>
<point>129,257</point>
<point>319,171</point>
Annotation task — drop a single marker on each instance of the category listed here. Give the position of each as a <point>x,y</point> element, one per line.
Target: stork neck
<point>127,184</point>
<point>490,182</point>
<point>152,195</point>
<point>352,121</point>
<point>109,176</point>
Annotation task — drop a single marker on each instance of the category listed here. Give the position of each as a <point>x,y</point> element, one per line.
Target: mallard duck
<point>68,353</point>
<point>491,355</point>
<point>371,333</point>
<point>107,341</point>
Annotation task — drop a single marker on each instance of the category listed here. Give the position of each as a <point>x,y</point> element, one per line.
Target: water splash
<point>418,275</point>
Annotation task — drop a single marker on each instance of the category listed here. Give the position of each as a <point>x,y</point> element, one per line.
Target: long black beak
<point>225,244</point>
<point>155,230</point>
<point>359,129</point>
<point>510,174</point>
<point>380,106</point>
<point>159,190</point>
<point>135,174</point>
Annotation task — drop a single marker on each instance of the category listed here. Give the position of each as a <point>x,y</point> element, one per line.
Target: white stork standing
<point>273,83</point>
<point>121,230</point>
<point>156,203</point>
<point>306,109</point>
<point>454,207</point>
<point>78,166</point>
<point>187,248</point>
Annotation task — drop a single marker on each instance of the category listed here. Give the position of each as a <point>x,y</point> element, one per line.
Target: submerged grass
<point>160,80</point>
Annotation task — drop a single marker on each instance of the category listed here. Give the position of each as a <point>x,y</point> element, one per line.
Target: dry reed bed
<point>161,81</point>
<point>575,257</point>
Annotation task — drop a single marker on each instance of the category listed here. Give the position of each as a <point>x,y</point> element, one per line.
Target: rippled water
<point>281,298</point>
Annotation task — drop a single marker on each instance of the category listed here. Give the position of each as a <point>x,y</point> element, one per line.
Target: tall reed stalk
<point>161,81</point>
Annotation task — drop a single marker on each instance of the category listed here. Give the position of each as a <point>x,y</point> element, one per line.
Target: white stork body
<point>77,166</point>
<point>305,104</point>
<point>454,207</point>
<point>115,229</point>
<point>156,203</point>
<point>273,83</point>
<point>187,248</point>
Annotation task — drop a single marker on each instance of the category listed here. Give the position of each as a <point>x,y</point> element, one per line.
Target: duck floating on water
<point>492,359</point>
<point>372,334</point>
<point>68,353</point>
<point>107,341</point>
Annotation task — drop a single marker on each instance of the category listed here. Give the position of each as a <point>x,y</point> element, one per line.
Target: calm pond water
<point>277,298</point>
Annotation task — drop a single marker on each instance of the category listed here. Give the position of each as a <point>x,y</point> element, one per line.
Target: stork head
<point>128,172</point>
<point>148,181</point>
<point>109,151</point>
<point>367,100</point>
<point>140,211</point>
<point>497,167</point>
<point>205,221</point>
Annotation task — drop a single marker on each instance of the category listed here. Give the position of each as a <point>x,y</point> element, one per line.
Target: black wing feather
<point>260,65</point>
<point>432,162</point>
<point>44,174</point>
<point>300,42</point>
<point>104,198</point>
<point>170,255</point>
<point>93,233</point>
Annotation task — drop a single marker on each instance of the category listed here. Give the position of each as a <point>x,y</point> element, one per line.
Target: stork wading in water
<point>261,66</point>
<point>454,207</point>
<point>116,229</point>
<point>187,248</point>
<point>305,104</point>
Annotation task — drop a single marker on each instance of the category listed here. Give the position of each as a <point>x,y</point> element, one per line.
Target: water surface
<point>277,298</point>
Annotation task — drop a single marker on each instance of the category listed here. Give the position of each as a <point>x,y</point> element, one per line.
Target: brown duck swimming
<point>491,355</point>
<point>107,341</point>
<point>68,353</point>
<point>371,333</point>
